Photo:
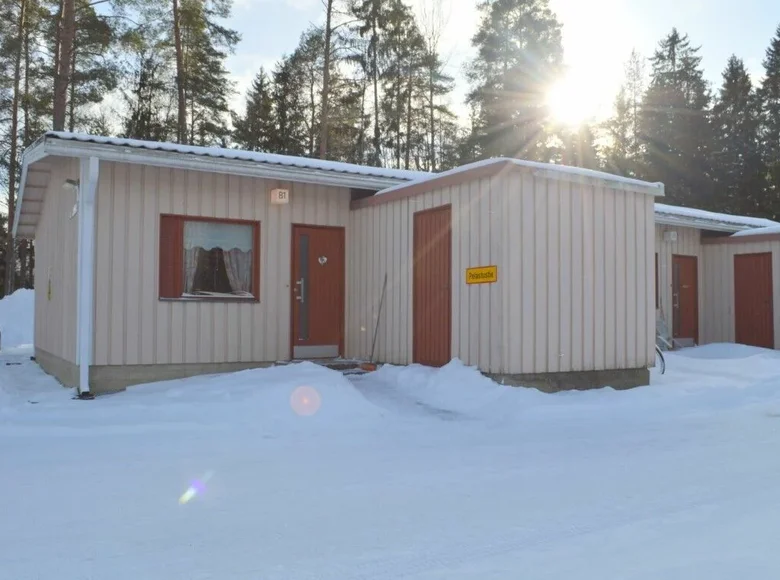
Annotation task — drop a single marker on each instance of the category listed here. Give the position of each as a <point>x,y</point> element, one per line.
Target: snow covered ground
<point>402,474</point>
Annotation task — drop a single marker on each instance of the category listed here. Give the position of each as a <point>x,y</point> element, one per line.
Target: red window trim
<point>171,256</point>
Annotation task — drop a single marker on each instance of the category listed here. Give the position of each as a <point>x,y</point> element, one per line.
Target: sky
<point>598,36</point>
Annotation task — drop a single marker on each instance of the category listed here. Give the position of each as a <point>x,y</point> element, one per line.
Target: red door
<point>753,304</point>
<point>432,287</point>
<point>685,298</point>
<point>318,280</point>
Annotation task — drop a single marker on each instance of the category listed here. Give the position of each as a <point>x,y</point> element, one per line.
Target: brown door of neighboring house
<point>753,304</point>
<point>685,298</point>
<point>318,281</point>
<point>432,287</point>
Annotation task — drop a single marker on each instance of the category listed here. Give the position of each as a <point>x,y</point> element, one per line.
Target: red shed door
<point>753,304</point>
<point>317,292</point>
<point>685,298</point>
<point>432,287</point>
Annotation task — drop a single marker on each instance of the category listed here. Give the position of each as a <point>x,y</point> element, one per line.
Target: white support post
<point>90,170</point>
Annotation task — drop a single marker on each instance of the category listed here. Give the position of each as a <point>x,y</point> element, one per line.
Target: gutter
<point>663,219</point>
<point>160,158</point>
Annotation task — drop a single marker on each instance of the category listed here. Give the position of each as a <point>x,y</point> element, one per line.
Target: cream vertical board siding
<point>56,264</point>
<point>688,244</point>
<point>575,262</point>
<point>133,327</point>
<point>719,315</point>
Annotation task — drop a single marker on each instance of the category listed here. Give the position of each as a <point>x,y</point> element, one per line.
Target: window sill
<point>223,299</point>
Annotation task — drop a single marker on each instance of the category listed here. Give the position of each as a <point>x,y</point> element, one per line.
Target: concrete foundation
<point>619,379</point>
<point>64,371</point>
<point>112,379</point>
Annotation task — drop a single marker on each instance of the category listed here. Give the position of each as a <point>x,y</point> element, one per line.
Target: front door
<point>753,304</point>
<point>432,287</point>
<point>318,281</point>
<point>685,299</point>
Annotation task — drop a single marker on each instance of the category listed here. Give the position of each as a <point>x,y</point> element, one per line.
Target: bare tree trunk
<point>407,158</point>
<point>375,74</point>
<point>10,253</point>
<point>66,32</point>
<point>312,114</point>
<point>325,114</point>
<point>432,120</point>
<point>26,100</point>
<point>72,90</point>
<point>182,97</point>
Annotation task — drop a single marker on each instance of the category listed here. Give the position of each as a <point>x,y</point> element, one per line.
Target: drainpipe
<point>89,172</point>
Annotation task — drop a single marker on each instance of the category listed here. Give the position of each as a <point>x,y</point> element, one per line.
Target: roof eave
<point>160,158</point>
<point>679,221</point>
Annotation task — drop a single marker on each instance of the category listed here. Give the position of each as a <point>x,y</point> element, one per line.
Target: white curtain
<point>191,259</point>
<point>238,265</point>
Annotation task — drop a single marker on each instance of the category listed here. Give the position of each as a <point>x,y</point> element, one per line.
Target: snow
<point>759,231</point>
<point>705,217</point>
<point>237,154</point>
<point>405,473</point>
<point>17,313</point>
<point>578,171</point>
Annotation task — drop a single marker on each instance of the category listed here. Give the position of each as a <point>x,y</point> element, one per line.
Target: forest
<point>368,85</point>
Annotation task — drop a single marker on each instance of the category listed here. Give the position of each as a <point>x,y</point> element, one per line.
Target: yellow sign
<point>482,275</point>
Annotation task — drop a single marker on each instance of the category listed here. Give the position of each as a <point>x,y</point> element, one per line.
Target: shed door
<point>432,287</point>
<point>753,305</point>
<point>317,292</point>
<point>685,298</point>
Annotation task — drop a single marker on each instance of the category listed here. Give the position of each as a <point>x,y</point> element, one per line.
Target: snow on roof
<point>238,154</point>
<point>758,231</point>
<point>578,171</point>
<point>700,217</point>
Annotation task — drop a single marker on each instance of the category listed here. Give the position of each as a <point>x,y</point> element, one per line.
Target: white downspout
<point>89,172</point>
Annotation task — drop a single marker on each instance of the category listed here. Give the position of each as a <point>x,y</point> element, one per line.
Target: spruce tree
<point>675,130</point>
<point>770,114</point>
<point>519,55</point>
<point>254,130</point>
<point>290,136</point>
<point>738,169</point>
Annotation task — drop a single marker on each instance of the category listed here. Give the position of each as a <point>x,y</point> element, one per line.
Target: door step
<point>344,366</point>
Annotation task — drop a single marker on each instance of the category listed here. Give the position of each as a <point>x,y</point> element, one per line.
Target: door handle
<point>676,301</point>
<point>302,284</point>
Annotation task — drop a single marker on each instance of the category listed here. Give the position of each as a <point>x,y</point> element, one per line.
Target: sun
<point>571,101</point>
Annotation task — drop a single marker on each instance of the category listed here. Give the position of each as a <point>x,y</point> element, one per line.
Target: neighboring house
<point>156,261</point>
<point>698,294</point>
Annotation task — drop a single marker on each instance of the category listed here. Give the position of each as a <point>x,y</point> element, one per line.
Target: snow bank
<point>282,397</point>
<point>457,388</point>
<point>17,313</point>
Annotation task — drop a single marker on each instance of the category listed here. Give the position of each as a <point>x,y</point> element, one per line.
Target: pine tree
<point>93,70</point>
<point>290,136</point>
<point>371,19</point>
<point>738,169</point>
<point>617,152</point>
<point>254,131</point>
<point>519,54</point>
<point>201,45</point>
<point>770,114</point>
<point>675,133</point>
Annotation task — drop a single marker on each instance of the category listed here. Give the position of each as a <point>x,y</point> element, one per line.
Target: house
<point>158,261</point>
<point>717,276</point>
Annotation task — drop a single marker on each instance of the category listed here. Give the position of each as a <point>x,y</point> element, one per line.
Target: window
<point>209,258</point>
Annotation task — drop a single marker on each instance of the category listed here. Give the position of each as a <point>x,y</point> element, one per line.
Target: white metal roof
<point>554,168</point>
<point>758,231</point>
<point>671,215</point>
<point>215,159</point>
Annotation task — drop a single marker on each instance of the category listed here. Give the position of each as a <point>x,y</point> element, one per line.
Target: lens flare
<point>305,401</point>
<point>198,487</point>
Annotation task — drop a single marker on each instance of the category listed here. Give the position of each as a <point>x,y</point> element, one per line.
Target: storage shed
<point>538,274</point>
